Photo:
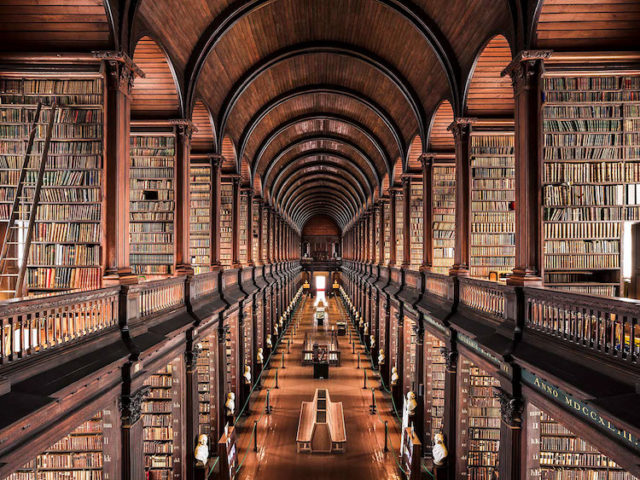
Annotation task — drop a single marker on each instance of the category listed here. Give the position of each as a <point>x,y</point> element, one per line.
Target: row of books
<point>64,162</point>
<point>592,96</point>
<point>78,116</point>
<point>599,172</point>
<point>416,227</point>
<point>582,246</point>
<point>58,278</point>
<point>64,255</point>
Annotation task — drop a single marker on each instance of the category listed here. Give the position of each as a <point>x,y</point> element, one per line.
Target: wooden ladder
<point>24,210</point>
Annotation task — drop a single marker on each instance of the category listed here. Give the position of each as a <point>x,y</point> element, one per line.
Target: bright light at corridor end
<point>321,283</point>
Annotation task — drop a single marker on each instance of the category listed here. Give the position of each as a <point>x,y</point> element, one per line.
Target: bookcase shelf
<point>591,173</point>
<point>255,218</point>
<point>200,221</point>
<point>152,202</point>
<point>159,409</point>
<point>556,453</point>
<point>243,231</point>
<point>206,386</point>
<point>399,226</point>
<point>416,226</point>
<point>77,456</point>
<point>73,175</point>
<point>444,213</point>
<point>387,232</point>
<point>492,204</point>
<point>480,422</point>
<point>226,224</point>
<point>434,391</point>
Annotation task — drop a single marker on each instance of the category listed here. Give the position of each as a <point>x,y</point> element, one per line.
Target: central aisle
<point>277,458</point>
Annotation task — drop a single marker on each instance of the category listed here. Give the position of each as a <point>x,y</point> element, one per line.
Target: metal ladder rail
<point>36,201</point>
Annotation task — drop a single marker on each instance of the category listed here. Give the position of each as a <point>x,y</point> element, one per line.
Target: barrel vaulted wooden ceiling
<point>320,104</point>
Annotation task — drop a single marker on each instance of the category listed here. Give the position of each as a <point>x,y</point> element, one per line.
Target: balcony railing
<point>486,297</point>
<point>33,325</point>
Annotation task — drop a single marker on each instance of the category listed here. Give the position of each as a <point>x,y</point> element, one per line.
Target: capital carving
<point>192,355</point>
<point>510,408</point>
<point>450,358</point>
<point>131,406</point>
<point>184,127</point>
<point>460,127</point>
<point>525,67</point>
<point>427,160</point>
<point>216,160</point>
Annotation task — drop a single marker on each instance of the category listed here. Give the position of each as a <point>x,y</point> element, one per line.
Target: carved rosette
<point>131,406</point>
<point>510,408</point>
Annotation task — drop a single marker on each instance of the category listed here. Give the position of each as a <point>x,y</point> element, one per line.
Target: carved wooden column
<point>132,434</point>
<point>381,234</point>
<point>250,259</point>
<point>183,194</point>
<point>461,128</point>
<point>511,433</point>
<point>526,75</point>
<point>235,215</point>
<point>121,72</point>
<point>192,404</point>
<point>214,224</point>
<point>406,221</point>
<point>392,228</point>
<point>427,212</point>
<point>449,420</point>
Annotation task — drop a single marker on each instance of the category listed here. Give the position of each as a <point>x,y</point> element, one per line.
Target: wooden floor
<point>277,458</point>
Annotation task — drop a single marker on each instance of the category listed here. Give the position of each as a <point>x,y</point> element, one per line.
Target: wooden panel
<point>156,94</point>
<point>598,24</point>
<point>204,138</point>
<point>489,94</point>
<point>415,150</point>
<point>440,139</point>
<point>228,155</point>
<point>397,171</point>
<point>48,25</point>
<point>320,225</point>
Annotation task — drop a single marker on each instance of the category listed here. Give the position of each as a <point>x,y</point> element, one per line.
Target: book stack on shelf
<point>159,409</point>
<point>152,203</point>
<point>231,356</point>
<point>409,362</point>
<point>387,232</point>
<point>480,420</point>
<point>434,393</point>
<point>243,231</point>
<point>557,454</point>
<point>376,240</point>
<point>200,217</point>
<point>255,225</point>
<point>65,250</point>
<point>416,227</point>
<point>444,213</point>
<point>492,205</point>
<point>226,224</point>
<point>265,232</point>
<point>247,338</point>
<point>591,178</point>
<point>205,368</point>
<point>399,226</point>
<point>77,456</point>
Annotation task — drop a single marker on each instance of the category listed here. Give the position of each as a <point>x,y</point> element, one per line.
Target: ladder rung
<point>8,274</point>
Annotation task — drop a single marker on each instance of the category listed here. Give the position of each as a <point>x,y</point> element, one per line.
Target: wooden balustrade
<point>32,325</point>
<point>609,326</point>
<point>437,284</point>
<point>203,284</point>
<point>161,295</point>
<point>487,297</point>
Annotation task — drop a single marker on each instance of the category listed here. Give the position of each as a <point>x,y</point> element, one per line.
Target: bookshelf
<point>77,456</point>
<point>444,212</point>
<point>152,202</point>
<point>243,231</point>
<point>255,225</point>
<point>160,409</point>
<point>247,340</point>
<point>231,358</point>
<point>591,177</point>
<point>387,232</point>
<point>416,229</point>
<point>226,224</point>
<point>557,453</point>
<point>376,239</point>
<point>205,367</point>
<point>200,215</point>
<point>265,232</point>
<point>480,422</point>
<point>492,204</point>
<point>65,251</point>
<point>399,226</point>
<point>409,363</point>
<point>434,386</point>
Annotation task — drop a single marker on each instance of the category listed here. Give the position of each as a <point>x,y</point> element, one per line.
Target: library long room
<point>319,239</point>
